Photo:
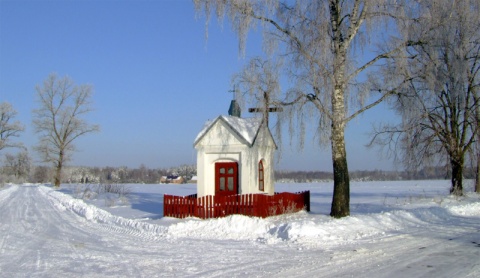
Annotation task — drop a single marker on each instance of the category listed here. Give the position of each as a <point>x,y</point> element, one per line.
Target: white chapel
<point>235,156</point>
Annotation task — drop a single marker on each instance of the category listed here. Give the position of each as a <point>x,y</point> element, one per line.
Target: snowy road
<point>40,237</point>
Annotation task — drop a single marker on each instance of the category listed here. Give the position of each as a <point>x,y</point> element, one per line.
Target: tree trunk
<point>477,180</point>
<point>341,179</point>
<point>457,176</point>
<point>477,118</point>
<point>58,170</point>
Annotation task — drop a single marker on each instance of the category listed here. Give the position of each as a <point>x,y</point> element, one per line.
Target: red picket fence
<point>259,205</point>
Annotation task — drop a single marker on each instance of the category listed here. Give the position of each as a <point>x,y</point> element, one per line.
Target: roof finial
<point>234,109</point>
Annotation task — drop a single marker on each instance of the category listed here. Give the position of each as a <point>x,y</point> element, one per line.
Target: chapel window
<point>261,176</point>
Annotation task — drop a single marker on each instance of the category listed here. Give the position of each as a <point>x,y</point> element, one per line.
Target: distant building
<point>172,179</point>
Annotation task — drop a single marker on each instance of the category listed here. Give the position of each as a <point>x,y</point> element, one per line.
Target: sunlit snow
<point>396,229</point>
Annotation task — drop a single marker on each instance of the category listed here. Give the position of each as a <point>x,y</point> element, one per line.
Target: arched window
<point>261,176</point>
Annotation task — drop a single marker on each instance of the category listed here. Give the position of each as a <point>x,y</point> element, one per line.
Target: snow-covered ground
<point>396,229</point>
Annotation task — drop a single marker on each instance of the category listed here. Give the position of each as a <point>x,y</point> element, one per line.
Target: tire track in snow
<point>78,241</point>
<point>6,192</point>
<point>42,242</point>
<point>4,195</point>
<point>23,236</point>
<point>229,265</point>
<point>103,219</point>
<point>426,242</point>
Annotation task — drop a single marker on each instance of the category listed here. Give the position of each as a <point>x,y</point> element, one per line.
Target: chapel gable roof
<point>246,128</point>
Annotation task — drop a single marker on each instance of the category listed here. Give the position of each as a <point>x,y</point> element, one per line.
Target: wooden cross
<point>265,109</point>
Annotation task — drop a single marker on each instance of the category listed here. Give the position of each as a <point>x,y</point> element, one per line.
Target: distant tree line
<point>427,173</point>
<point>19,169</point>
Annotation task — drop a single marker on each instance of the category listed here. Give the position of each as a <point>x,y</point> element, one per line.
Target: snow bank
<point>317,230</point>
<point>234,227</point>
<point>469,208</point>
<point>92,213</point>
<point>307,229</point>
<point>4,193</point>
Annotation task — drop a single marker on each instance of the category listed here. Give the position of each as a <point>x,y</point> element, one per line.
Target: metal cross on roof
<point>265,109</point>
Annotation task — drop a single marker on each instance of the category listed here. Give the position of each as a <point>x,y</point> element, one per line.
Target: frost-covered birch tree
<point>439,105</point>
<point>323,47</point>
<point>8,128</point>
<point>59,119</point>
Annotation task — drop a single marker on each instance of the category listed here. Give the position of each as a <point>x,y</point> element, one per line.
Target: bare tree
<point>476,151</point>
<point>40,174</point>
<point>440,103</point>
<point>58,120</point>
<point>8,130</point>
<point>322,43</point>
<point>18,165</point>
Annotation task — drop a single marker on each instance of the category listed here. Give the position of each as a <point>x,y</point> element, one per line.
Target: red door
<point>226,178</point>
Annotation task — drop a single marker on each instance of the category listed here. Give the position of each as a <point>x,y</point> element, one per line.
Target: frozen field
<point>396,229</point>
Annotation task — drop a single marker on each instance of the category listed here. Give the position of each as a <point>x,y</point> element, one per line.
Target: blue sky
<point>156,79</point>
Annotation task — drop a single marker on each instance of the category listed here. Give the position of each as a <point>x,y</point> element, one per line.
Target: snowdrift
<point>308,229</point>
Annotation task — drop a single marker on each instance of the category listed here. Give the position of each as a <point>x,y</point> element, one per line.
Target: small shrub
<point>124,200</point>
<point>88,194</point>
<point>120,189</point>
<point>109,202</point>
<point>438,201</point>
<point>115,193</point>
<point>84,192</point>
<point>289,208</point>
<point>272,210</point>
<point>280,208</point>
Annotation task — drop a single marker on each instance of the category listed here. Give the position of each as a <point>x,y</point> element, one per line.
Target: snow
<point>396,229</point>
<point>247,128</point>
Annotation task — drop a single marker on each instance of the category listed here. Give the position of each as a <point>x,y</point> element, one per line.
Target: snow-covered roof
<point>246,128</point>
